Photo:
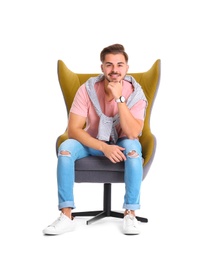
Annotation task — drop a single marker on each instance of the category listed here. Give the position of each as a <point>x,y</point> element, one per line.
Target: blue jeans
<point>132,176</point>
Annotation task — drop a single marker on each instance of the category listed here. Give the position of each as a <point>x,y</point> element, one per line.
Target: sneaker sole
<point>131,232</point>
<point>51,232</point>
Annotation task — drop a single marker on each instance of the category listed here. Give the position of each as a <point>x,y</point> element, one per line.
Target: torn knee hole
<point>133,154</point>
<point>65,153</point>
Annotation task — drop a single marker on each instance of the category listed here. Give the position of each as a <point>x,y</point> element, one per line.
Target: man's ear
<point>102,67</point>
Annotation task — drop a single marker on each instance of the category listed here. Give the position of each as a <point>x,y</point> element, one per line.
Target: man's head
<point>114,62</point>
<point>113,49</point>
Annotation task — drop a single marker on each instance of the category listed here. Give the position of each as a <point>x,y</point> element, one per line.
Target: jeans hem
<point>66,204</point>
<point>131,206</point>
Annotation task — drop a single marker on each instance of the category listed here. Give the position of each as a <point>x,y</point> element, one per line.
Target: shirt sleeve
<point>139,109</point>
<point>81,102</point>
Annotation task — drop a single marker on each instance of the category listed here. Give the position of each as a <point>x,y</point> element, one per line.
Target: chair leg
<point>106,212</point>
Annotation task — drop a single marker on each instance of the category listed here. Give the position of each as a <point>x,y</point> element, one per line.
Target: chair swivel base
<point>106,212</point>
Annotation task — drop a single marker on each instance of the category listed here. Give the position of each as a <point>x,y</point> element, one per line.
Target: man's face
<point>114,67</point>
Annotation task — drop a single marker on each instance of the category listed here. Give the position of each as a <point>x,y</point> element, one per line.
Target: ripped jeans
<point>132,176</point>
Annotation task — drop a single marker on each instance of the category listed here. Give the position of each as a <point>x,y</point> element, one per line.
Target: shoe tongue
<point>131,216</point>
<point>63,215</point>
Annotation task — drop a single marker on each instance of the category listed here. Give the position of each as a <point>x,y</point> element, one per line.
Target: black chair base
<point>106,212</point>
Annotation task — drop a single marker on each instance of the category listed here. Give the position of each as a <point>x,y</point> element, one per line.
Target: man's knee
<point>133,154</point>
<point>64,153</point>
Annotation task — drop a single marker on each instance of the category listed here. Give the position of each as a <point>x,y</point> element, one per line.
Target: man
<point>112,106</point>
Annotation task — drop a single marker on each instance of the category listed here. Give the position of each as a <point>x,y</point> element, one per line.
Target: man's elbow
<point>133,134</point>
<point>71,133</point>
<point>132,137</point>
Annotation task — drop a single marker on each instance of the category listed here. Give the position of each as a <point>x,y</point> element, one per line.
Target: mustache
<point>113,73</point>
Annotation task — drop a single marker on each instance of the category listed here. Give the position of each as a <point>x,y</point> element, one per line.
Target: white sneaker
<point>130,225</point>
<point>61,225</point>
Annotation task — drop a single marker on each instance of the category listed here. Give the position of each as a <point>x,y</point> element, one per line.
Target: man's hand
<point>116,88</point>
<point>114,153</point>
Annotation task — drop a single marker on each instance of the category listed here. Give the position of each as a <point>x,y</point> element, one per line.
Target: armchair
<point>95,169</point>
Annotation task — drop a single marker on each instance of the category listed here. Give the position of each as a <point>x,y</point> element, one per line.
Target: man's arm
<point>131,126</point>
<point>76,131</point>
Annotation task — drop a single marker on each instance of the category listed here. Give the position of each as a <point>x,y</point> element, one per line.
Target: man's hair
<point>113,49</point>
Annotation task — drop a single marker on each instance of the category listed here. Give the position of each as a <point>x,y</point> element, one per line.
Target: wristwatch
<point>121,99</point>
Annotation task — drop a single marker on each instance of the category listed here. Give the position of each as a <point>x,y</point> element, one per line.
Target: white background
<point>34,35</point>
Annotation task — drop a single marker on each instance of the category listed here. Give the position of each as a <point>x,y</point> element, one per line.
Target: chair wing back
<point>149,80</point>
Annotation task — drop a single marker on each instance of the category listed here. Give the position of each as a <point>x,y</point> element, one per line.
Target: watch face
<point>122,99</point>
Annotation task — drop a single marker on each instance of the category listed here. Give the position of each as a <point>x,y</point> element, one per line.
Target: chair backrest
<point>149,81</point>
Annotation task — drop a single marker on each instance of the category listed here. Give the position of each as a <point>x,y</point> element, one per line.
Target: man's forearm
<point>131,126</point>
<point>83,137</point>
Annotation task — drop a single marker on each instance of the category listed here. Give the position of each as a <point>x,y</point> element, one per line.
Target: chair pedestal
<point>106,212</point>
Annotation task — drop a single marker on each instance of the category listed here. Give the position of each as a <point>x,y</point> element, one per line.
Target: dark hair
<point>113,49</point>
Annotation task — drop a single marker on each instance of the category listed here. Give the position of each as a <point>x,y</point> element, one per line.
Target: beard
<point>108,79</point>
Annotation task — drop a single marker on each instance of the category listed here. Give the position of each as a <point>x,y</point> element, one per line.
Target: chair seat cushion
<point>98,169</point>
